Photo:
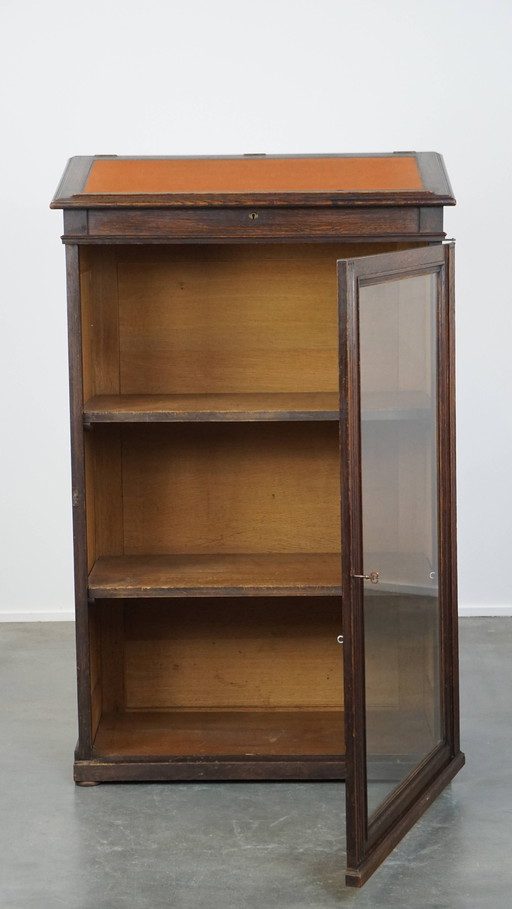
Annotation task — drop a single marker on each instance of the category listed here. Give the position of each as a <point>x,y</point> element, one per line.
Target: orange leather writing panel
<point>254,175</point>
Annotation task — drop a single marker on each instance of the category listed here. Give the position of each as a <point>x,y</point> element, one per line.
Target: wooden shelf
<point>244,733</point>
<point>250,732</point>
<point>229,408</point>
<point>251,574</point>
<point>236,575</point>
<point>204,408</point>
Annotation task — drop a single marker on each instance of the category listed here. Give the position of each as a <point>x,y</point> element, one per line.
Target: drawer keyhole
<point>254,215</point>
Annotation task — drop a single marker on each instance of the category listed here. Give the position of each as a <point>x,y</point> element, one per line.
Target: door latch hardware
<point>340,639</point>
<point>373,577</point>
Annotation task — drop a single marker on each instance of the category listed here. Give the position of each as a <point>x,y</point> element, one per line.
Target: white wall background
<point>279,76</point>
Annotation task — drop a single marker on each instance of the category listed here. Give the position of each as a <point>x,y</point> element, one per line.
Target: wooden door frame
<point>368,844</point>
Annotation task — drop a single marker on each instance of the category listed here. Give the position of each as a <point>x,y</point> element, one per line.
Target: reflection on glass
<point>399,485</point>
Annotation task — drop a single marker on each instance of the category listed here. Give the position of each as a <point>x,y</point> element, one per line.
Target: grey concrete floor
<point>236,845</point>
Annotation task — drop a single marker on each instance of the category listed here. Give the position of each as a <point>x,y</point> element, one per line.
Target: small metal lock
<point>254,216</point>
<point>373,577</point>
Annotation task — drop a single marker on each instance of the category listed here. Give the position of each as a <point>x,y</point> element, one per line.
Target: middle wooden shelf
<point>219,574</point>
<point>205,408</point>
<point>312,406</point>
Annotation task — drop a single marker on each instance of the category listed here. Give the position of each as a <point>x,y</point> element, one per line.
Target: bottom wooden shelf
<point>278,744</point>
<point>239,744</point>
<point>241,733</point>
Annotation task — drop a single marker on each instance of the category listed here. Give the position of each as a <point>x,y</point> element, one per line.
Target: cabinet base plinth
<point>96,771</point>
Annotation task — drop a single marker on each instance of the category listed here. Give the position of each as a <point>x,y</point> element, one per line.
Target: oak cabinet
<point>262,408</point>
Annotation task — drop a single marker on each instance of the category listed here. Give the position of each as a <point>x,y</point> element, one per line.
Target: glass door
<point>398,553</point>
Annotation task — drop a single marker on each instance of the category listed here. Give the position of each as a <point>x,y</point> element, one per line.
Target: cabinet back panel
<point>229,488</point>
<point>228,319</point>
<point>213,319</point>
<point>264,654</point>
<point>233,654</point>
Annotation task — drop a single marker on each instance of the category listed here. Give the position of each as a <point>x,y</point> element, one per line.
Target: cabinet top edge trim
<point>217,239</point>
<point>334,199</point>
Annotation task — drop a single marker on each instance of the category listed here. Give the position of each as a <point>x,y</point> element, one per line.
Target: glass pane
<point>399,486</point>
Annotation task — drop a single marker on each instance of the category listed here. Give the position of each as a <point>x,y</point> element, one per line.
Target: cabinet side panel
<point>108,490</point>
<point>90,501</point>
<point>89,389</point>
<point>113,657</point>
<point>86,323</point>
<point>79,518</point>
<point>105,321</point>
<point>95,663</point>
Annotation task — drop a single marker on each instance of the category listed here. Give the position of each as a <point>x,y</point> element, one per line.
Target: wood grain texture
<point>76,222</point>
<point>229,488</point>
<point>86,319</point>
<point>225,653</point>
<point>276,733</point>
<point>111,654</point>
<point>97,705</point>
<point>248,407</point>
<point>216,488</point>
<point>213,319</point>
<point>255,574</point>
<point>85,718</point>
<point>90,503</point>
<point>233,653</point>
<point>110,770</point>
<point>270,224</point>
<point>104,327</point>
<point>227,320</point>
<point>104,492</point>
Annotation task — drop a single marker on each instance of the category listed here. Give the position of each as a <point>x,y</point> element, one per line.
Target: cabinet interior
<point>212,464</point>
<point>232,677</point>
